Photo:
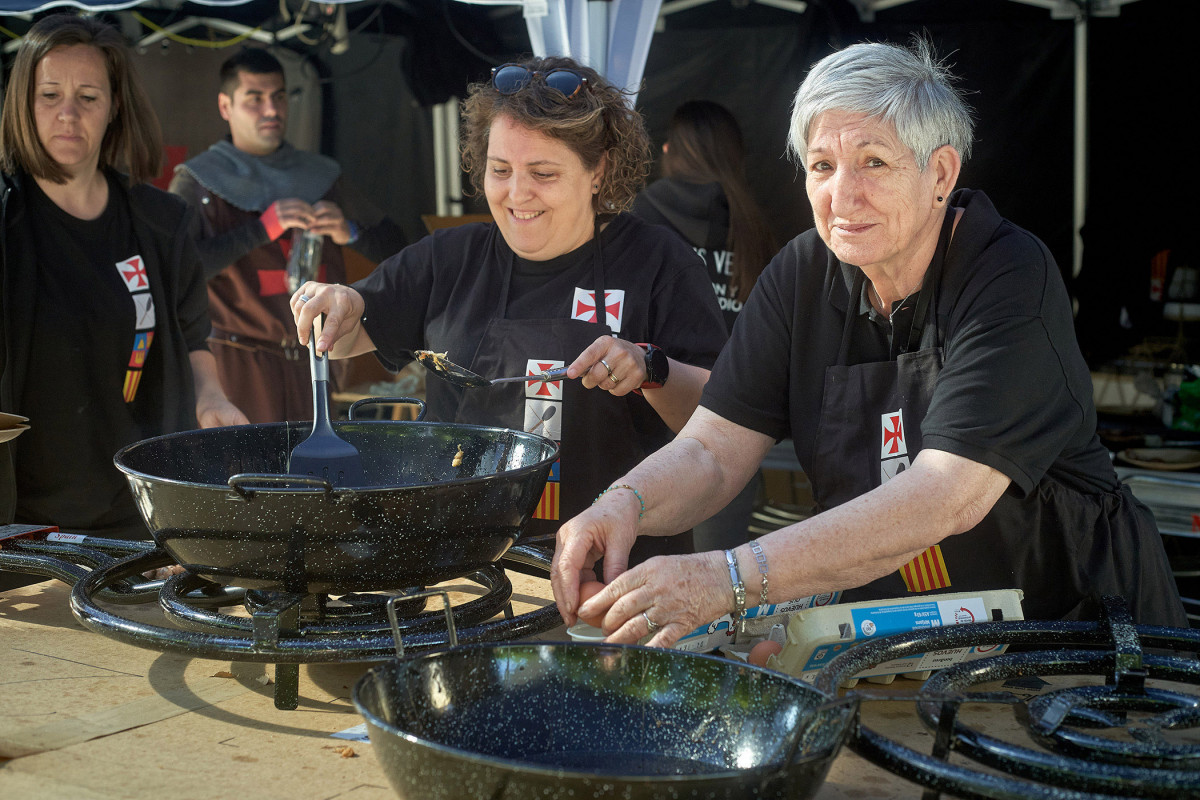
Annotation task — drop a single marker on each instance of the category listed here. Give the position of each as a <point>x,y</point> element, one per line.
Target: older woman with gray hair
<point>919,350</point>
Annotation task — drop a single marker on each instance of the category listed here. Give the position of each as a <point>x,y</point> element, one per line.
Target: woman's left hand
<point>213,409</point>
<point>666,596</point>
<point>611,364</point>
<point>218,412</point>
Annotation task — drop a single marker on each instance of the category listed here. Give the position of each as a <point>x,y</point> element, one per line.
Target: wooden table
<point>85,717</point>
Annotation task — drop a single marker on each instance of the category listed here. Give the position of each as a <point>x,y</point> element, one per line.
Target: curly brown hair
<point>598,122</point>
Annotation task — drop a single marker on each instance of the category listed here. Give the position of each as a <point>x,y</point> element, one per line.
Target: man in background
<point>249,190</point>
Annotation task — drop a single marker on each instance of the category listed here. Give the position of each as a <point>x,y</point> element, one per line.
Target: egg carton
<point>815,636</point>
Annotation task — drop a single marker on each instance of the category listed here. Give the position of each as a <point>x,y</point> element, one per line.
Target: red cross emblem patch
<point>583,307</point>
<point>893,442</point>
<point>133,272</point>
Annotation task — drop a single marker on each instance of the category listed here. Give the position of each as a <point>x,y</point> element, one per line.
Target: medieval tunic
<point>262,367</point>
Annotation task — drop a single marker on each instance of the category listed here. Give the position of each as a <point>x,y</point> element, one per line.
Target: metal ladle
<point>447,370</point>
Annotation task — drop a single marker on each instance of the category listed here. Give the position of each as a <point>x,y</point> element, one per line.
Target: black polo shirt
<point>1014,391</point>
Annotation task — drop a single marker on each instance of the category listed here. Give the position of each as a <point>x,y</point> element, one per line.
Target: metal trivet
<point>282,628</point>
<point>1134,759</point>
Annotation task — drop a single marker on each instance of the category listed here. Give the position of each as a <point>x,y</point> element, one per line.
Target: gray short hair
<point>905,86</point>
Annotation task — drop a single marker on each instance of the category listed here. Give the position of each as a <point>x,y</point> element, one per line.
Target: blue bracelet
<point>636,494</point>
<point>353,231</point>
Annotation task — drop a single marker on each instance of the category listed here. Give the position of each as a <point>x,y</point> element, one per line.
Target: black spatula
<point>324,454</point>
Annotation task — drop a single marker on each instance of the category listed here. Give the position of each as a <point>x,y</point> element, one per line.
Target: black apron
<point>598,440</point>
<point>1063,547</point>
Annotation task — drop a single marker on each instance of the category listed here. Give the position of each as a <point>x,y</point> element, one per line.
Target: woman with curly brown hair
<point>559,154</point>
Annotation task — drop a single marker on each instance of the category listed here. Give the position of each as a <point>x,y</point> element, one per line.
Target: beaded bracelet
<point>761,558</point>
<point>636,494</point>
<point>739,590</point>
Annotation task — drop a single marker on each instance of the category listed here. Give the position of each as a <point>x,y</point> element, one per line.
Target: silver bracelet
<point>761,558</point>
<point>739,590</point>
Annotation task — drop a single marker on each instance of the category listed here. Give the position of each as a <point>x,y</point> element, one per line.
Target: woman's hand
<point>666,596</point>
<point>213,409</point>
<point>606,530</point>
<point>216,412</point>
<point>611,364</point>
<point>340,333</point>
<point>677,593</point>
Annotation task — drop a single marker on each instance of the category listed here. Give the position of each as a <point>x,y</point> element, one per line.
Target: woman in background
<point>704,197</point>
<point>104,314</point>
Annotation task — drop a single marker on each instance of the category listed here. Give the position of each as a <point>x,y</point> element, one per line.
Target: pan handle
<point>452,633</point>
<point>275,483</point>
<point>820,735</point>
<point>394,400</point>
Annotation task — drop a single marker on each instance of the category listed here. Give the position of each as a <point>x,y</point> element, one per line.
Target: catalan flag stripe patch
<point>926,572</point>
<point>547,507</point>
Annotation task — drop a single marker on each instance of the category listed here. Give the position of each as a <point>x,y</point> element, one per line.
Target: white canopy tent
<point>614,37</point>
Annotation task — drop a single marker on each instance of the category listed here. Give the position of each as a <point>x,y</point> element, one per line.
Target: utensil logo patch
<point>893,449</point>
<point>133,272</point>
<point>544,418</point>
<point>584,307</point>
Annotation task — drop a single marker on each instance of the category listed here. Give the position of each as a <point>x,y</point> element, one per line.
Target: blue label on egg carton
<point>885,620</point>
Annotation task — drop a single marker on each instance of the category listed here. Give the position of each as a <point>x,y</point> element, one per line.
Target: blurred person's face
<point>873,205</point>
<point>72,106</point>
<point>256,113</point>
<point>539,191</point>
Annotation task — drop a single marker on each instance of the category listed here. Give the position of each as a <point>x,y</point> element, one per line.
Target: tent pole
<point>1081,143</point>
<point>454,197</point>
<point>441,206</point>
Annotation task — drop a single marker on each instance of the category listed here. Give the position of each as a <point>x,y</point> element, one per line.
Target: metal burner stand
<point>1075,765</point>
<point>283,628</point>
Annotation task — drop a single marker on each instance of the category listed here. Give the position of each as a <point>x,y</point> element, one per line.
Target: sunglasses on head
<point>512,78</point>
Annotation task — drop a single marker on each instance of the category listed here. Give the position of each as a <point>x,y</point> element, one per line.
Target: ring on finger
<point>613,378</point>
<point>607,367</point>
<point>304,298</point>
<point>651,624</point>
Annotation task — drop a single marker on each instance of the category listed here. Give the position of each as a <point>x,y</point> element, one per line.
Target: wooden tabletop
<point>90,718</point>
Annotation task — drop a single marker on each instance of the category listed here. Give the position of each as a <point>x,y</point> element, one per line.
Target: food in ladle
<point>458,458</point>
<point>586,592</point>
<point>439,360</point>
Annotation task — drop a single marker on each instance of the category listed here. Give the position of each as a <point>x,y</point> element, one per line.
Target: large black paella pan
<point>586,720</point>
<point>439,500</point>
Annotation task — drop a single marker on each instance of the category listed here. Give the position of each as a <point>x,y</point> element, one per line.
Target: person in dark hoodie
<point>704,197</point>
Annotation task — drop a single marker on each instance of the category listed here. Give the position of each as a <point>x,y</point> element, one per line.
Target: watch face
<point>657,367</point>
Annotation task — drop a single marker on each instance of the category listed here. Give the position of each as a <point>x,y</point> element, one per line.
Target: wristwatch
<point>657,367</point>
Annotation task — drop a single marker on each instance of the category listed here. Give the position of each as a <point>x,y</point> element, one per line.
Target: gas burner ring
<point>1053,719</point>
<point>1032,773</point>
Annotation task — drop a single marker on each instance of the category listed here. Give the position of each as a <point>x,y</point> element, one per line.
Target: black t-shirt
<point>416,299</point>
<point>1013,393</point>
<point>90,349</point>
